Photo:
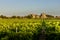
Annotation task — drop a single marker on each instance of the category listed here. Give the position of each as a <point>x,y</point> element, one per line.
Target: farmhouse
<point>33,16</point>
<point>43,15</point>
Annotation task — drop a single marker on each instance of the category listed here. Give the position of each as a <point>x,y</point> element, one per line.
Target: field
<point>29,29</point>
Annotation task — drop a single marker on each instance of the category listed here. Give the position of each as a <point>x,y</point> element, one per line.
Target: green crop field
<point>29,29</point>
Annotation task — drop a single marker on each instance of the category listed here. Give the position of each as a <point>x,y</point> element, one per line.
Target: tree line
<point>29,16</point>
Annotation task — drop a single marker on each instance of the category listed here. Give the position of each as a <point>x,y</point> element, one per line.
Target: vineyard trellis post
<point>16,29</point>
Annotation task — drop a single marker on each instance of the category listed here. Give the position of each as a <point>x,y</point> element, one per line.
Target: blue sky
<point>24,7</point>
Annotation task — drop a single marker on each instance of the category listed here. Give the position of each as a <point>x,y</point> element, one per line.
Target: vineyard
<point>29,29</point>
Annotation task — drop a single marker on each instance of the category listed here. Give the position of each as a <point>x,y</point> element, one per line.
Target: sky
<point>25,7</point>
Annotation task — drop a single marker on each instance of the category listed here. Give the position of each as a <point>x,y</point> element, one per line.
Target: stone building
<point>43,15</point>
<point>34,16</point>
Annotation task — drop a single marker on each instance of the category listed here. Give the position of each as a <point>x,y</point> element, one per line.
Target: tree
<point>29,16</point>
<point>18,17</point>
<point>13,17</point>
